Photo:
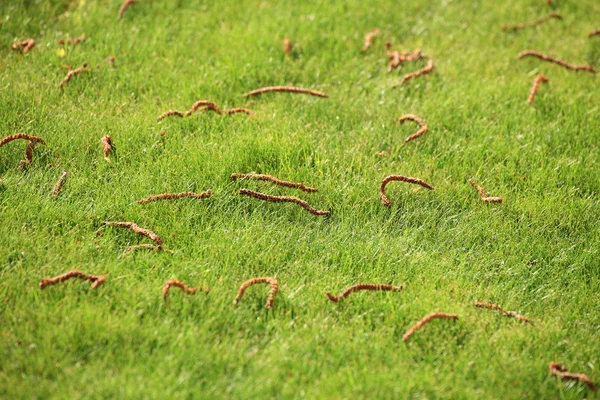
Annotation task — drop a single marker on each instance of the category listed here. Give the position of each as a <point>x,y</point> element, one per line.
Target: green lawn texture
<point>536,253</point>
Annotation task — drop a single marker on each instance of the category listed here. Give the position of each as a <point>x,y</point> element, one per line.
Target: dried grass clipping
<point>399,178</point>
<point>561,372</point>
<point>96,280</point>
<point>363,286</point>
<point>428,318</point>
<point>271,281</point>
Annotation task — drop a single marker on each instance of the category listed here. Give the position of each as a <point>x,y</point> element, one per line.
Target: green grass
<point>446,246</point>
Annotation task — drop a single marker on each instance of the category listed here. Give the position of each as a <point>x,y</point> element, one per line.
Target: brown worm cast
<point>271,281</point>
<point>534,89</point>
<point>72,73</point>
<point>287,46</point>
<point>106,146</point>
<point>503,311</point>
<point>532,23</point>
<point>180,285</point>
<point>399,178</point>
<point>28,155</point>
<point>140,231</point>
<point>423,71</point>
<point>288,89</point>
<point>532,53</point>
<point>412,117</point>
<point>111,61</point>
<point>170,113</point>
<point>274,180</point>
<point>280,199</point>
<point>428,318</point>
<point>363,286</point>
<point>483,195</point>
<point>25,45</point>
<point>23,136</point>
<point>125,6</point>
<point>76,40</point>
<point>170,196</point>
<point>561,372</point>
<point>369,38</point>
<point>594,33</point>
<point>59,184</point>
<point>96,280</point>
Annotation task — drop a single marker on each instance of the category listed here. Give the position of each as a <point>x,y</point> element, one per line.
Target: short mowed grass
<point>536,253</point>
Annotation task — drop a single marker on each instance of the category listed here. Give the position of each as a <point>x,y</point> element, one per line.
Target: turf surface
<point>536,253</point>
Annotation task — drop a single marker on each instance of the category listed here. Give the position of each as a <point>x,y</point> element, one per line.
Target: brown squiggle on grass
<point>280,199</point>
<point>287,46</point>
<point>532,23</point>
<point>397,58</point>
<point>594,33</point>
<point>399,178</point>
<point>237,110</point>
<point>106,146</point>
<point>59,184</point>
<point>503,311</point>
<point>203,105</point>
<point>561,371</point>
<point>24,136</point>
<point>96,280</point>
<point>271,281</point>
<point>532,53</point>
<point>423,71</point>
<point>483,195</point>
<point>289,89</point>
<point>26,45</point>
<point>534,89</point>
<point>28,155</point>
<point>412,117</point>
<point>111,61</point>
<point>363,286</point>
<point>170,196</point>
<point>73,40</point>
<point>125,6</point>
<point>180,285</point>
<point>274,180</point>
<point>169,114</point>
<point>369,38</point>
<point>425,321</point>
<point>72,73</point>
<point>140,231</point>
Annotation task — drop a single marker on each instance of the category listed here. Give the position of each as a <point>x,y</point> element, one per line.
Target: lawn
<point>536,253</point>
